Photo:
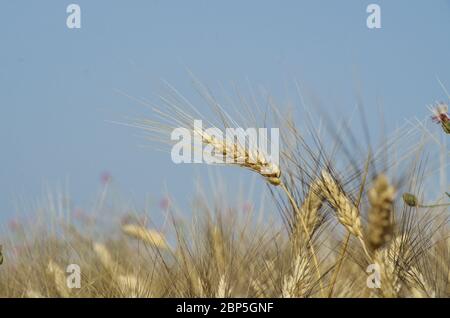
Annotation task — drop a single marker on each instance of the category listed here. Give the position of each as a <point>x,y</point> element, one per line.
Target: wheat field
<point>347,207</point>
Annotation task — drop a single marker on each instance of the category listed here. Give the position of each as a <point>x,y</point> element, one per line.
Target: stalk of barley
<point>59,278</point>
<point>149,236</point>
<point>381,197</point>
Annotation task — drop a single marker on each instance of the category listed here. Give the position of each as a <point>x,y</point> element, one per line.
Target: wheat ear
<point>308,234</point>
<point>223,290</point>
<point>128,284</point>
<point>419,285</point>
<point>131,286</point>
<point>149,236</point>
<point>60,279</point>
<point>310,207</point>
<point>105,258</point>
<point>381,197</point>
<point>298,283</point>
<point>346,212</point>
<point>237,154</point>
<point>389,278</point>
<point>389,259</point>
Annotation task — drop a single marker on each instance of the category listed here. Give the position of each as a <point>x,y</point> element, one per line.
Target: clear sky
<point>58,87</point>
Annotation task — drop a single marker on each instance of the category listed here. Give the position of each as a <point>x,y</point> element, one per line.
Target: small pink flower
<point>164,203</point>
<point>105,177</point>
<point>440,113</point>
<point>132,218</point>
<point>14,225</point>
<point>127,219</point>
<point>81,215</point>
<point>247,207</point>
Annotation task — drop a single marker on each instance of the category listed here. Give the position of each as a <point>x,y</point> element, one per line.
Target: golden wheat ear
<point>59,278</point>
<point>149,236</point>
<point>346,211</point>
<point>381,198</point>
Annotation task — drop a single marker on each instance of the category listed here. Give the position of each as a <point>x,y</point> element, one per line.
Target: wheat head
<point>105,257</point>
<point>298,283</point>
<point>310,207</point>
<point>346,212</point>
<point>149,236</point>
<point>59,278</point>
<point>381,197</point>
<point>237,154</point>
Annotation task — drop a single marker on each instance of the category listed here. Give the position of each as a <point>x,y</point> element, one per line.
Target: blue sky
<point>58,87</point>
